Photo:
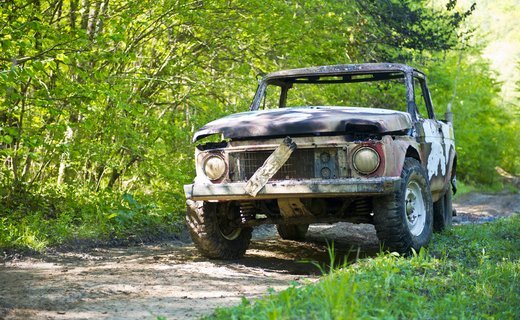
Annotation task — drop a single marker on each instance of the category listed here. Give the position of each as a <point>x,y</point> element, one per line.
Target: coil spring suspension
<point>247,211</point>
<point>363,207</point>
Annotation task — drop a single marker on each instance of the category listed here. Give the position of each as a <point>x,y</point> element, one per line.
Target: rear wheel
<point>404,220</point>
<point>215,231</point>
<point>443,212</point>
<point>292,231</point>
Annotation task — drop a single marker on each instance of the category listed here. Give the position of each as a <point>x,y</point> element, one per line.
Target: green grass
<point>464,187</point>
<point>469,272</point>
<point>35,221</point>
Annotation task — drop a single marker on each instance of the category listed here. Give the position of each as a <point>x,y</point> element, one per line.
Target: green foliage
<point>99,99</point>
<point>401,29</point>
<point>470,272</point>
<point>382,94</point>
<point>485,130</point>
<point>57,215</point>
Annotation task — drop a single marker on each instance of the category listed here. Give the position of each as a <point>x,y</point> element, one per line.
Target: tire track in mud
<point>171,279</point>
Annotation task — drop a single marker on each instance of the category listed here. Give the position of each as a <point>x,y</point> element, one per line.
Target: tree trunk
<point>65,156</point>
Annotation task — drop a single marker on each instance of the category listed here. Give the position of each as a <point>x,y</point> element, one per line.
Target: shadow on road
<point>325,244</point>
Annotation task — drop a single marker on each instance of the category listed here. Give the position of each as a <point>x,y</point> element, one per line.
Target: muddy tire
<point>404,220</point>
<point>211,229</point>
<point>295,232</point>
<point>443,212</point>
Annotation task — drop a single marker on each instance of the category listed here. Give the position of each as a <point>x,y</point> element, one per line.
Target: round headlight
<point>214,167</point>
<point>366,160</point>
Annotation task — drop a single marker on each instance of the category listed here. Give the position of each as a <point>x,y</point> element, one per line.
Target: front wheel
<point>404,220</point>
<point>215,231</point>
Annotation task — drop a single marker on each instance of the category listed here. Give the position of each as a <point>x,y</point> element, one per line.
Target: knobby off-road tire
<point>443,212</point>
<point>404,220</point>
<point>295,232</point>
<point>209,227</point>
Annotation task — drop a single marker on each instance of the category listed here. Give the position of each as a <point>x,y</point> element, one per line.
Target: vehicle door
<point>432,136</point>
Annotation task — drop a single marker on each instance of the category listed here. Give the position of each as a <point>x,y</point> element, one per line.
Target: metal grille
<point>300,165</point>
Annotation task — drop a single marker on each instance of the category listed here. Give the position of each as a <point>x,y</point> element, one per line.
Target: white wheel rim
<point>415,209</point>
<point>226,232</point>
<point>232,235</point>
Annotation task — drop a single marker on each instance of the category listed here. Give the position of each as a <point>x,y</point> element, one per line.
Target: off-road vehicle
<point>358,143</point>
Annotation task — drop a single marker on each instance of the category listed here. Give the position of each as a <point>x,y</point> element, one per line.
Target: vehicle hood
<point>305,120</point>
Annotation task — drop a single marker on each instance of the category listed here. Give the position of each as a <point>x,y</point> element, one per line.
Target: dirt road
<point>172,280</point>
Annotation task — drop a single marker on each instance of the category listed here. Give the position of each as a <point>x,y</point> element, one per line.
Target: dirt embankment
<point>172,280</point>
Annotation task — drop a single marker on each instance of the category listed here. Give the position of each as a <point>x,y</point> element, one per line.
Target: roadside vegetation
<point>464,187</point>
<point>468,272</point>
<point>99,99</point>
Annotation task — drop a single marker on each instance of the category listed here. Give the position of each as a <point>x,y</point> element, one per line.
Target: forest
<point>99,98</point>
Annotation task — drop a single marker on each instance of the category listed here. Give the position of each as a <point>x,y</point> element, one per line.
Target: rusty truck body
<point>293,161</point>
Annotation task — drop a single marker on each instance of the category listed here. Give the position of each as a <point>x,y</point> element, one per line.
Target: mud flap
<point>454,185</point>
<point>270,167</point>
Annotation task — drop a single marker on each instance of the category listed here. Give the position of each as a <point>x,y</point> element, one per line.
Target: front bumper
<point>295,189</point>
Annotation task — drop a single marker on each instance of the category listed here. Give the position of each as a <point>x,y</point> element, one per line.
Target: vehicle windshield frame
<point>343,74</point>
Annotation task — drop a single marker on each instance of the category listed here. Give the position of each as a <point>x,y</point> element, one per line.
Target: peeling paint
<point>393,134</point>
<point>439,156</point>
<point>304,120</point>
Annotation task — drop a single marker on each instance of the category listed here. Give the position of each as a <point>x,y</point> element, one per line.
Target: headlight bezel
<point>219,173</point>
